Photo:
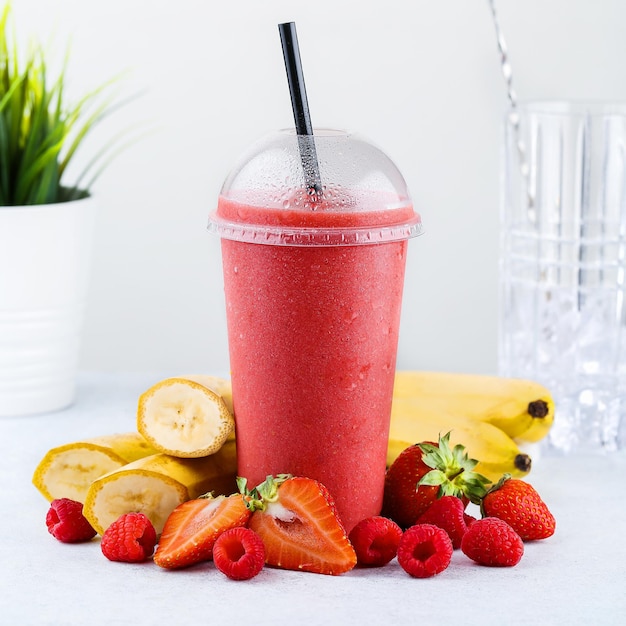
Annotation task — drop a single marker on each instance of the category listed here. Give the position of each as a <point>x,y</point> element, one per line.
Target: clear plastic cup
<point>313,285</point>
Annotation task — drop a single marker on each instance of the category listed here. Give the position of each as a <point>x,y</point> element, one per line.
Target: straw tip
<point>287,29</point>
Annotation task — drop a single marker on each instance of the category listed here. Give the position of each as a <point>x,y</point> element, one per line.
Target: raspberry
<point>424,550</point>
<point>131,538</point>
<point>375,541</point>
<point>491,541</point>
<point>447,512</point>
<point>239,553</point>
<point>66,522</point>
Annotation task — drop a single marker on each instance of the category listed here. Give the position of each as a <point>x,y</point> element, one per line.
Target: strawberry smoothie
<point>313,331</point>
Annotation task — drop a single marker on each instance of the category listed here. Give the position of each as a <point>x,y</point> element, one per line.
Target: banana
<point>187,417</point>
<point>157,484</point>
<point>221,386</point>
<point>496,452</point>
<point>67,471</point>
<point>523,409</point>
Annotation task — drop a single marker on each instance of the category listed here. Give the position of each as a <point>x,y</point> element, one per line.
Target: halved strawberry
<point>193,527</point>
<point>297,521</point>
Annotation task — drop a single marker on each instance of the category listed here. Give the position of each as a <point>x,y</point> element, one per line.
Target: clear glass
<point>563,262</point>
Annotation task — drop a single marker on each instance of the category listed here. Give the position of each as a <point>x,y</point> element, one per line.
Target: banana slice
<point>67,471</point>
<point>187,417</point>
<point>157,484</point>
<point>221,386</point>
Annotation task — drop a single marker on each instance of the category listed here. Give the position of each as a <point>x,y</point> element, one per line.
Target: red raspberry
<point>131,538</point>
<point>239,553</point>
<point>375,540</point>
<point>447,512</point>
<point>424,550</point>
<point>491,541</point>
<point>66,522</point>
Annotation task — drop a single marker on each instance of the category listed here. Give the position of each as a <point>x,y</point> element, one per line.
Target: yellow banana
<point>523,409</point>
<point>187,416</point>
<point>157,484</point>
<point>496,452</point>
<point>67,471</point>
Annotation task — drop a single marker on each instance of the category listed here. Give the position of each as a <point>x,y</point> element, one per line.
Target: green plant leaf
<point>39,132</point>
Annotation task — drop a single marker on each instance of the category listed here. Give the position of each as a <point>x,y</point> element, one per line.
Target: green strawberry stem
<point>258,497</point>
<point>452,471</point>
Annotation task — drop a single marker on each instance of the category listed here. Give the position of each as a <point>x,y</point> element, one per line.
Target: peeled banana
<point>157,484</point>
<point>187,417</point>
<point>523,409</point>
<point>221,386</point>
<point>67,471</point>
<point>496,452</point>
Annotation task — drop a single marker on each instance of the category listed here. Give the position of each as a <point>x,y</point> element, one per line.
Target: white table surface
<point>576,577</point>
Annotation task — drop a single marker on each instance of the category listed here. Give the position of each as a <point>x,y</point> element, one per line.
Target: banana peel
<point>523,409</point>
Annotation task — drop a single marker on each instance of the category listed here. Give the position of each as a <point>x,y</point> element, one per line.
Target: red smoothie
<point>313,334</point>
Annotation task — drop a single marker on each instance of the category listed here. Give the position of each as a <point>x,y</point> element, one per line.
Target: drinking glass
<point>563,260</point>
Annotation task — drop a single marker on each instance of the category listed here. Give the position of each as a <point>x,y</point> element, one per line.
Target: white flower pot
<point>45,254</point>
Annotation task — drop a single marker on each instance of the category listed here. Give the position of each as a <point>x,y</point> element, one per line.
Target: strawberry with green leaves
<point>192,528</point>
<point>518,503</point>
<point>298,524</point>
<point>424,472</point>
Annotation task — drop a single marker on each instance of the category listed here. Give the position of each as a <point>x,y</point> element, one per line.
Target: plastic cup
<point>313,288</point>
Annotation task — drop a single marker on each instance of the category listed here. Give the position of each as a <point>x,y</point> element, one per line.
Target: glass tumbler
<point>563,259</point>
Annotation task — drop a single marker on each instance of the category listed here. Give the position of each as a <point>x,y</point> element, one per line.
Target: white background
<point>419,78</point>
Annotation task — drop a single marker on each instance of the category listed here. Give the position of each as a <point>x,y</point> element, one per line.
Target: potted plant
<point>46,227</point>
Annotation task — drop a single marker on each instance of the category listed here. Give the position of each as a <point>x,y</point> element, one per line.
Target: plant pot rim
<point>84,196</point>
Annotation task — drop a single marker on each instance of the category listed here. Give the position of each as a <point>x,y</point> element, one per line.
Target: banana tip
<point>538,409</point>
<point>523,462</point>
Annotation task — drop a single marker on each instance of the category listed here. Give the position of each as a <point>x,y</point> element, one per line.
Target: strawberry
<point>66,522</point>
<point>298,524</point>
<point>192,528</point>
<point>375,540</point>
<point>425,471</point>
<point>239,553</point>
<point>424,550</point>
<point>491,541</point>
<point>519,504</point>
<point>447,512</point>
<point>469,519</point>
<point>130,538</point>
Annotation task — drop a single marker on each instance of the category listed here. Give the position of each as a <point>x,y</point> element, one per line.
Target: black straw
<point>300,106</point>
